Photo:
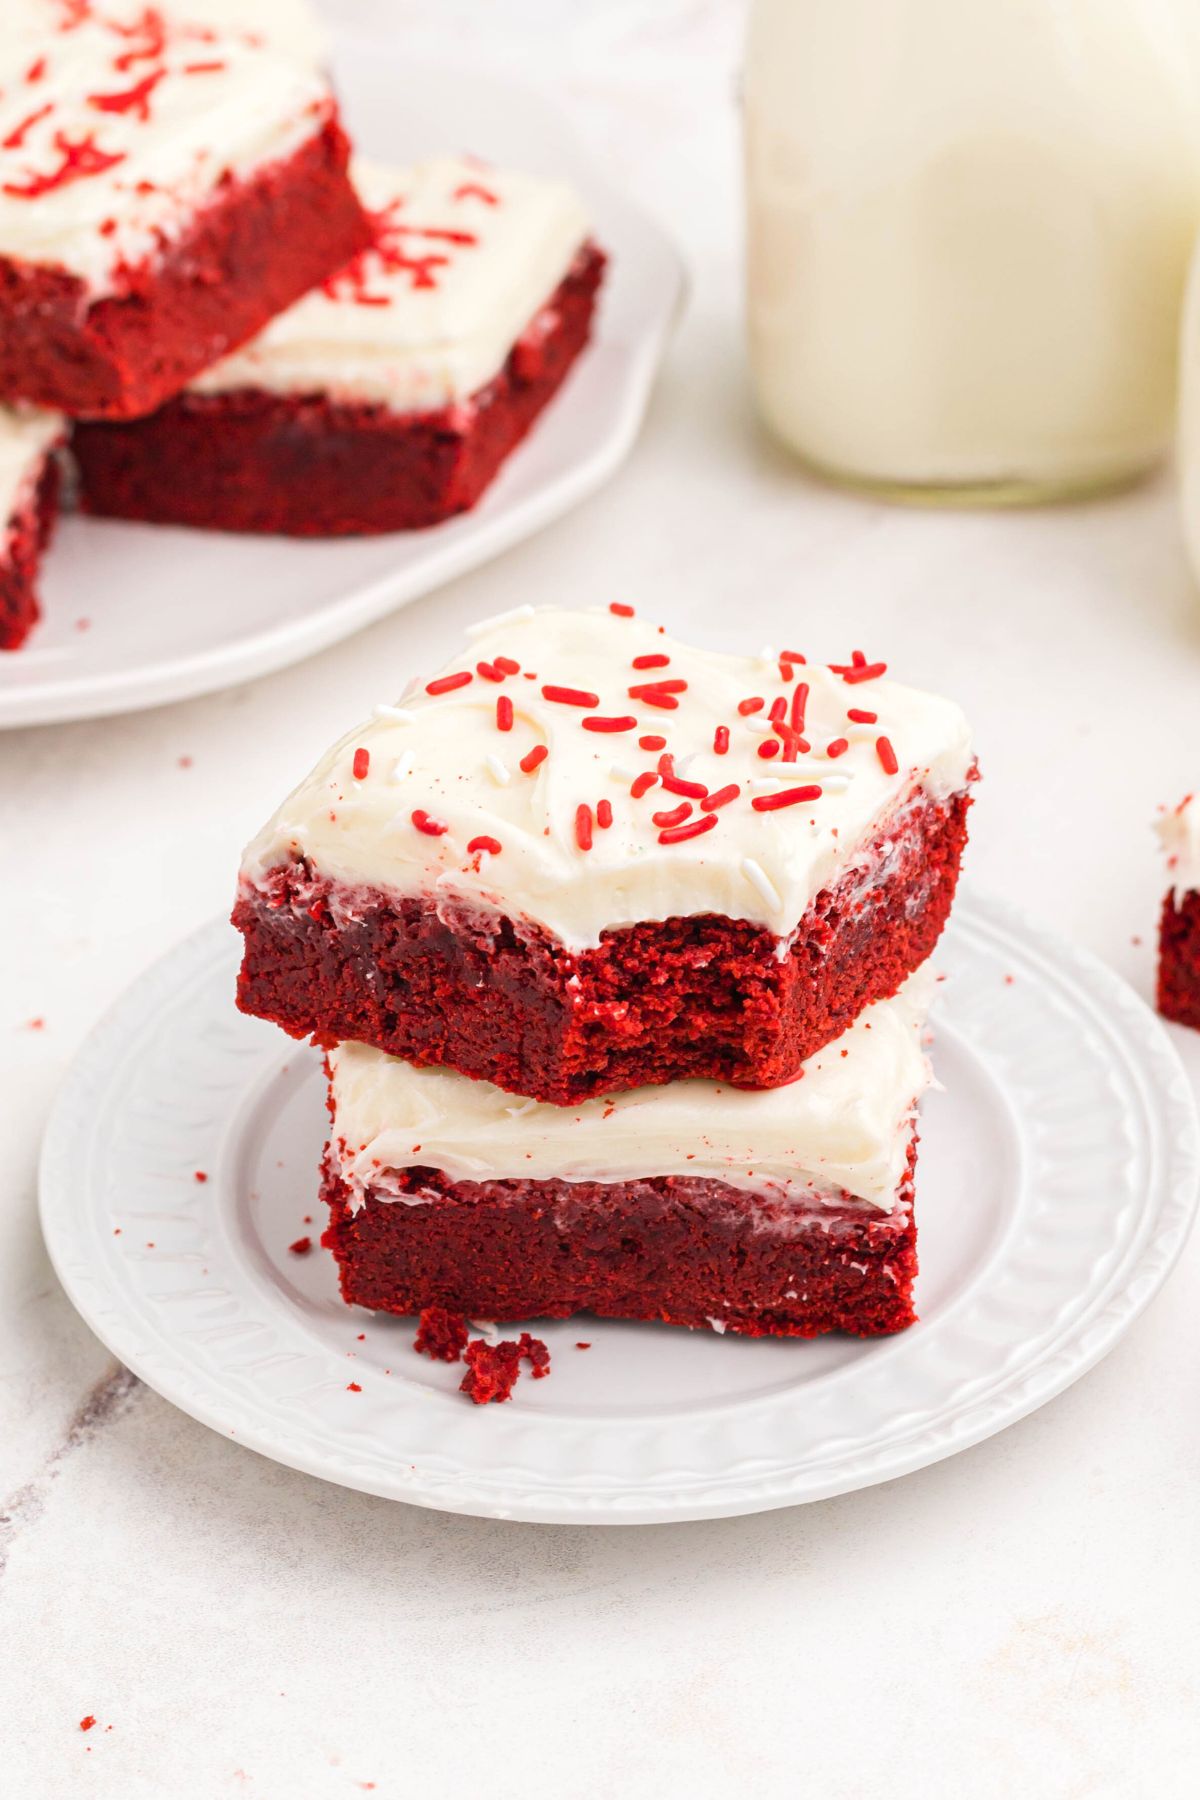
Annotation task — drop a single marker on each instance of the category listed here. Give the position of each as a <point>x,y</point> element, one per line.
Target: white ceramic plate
<point>1056,1184</point>
<point>136,615</point>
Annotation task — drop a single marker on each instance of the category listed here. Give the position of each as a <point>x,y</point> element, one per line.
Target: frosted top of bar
<point>464,260</point>
<point>842,1128</point>
<point>567,769</point>
<point>1179,835</point>
<point>116,126</point>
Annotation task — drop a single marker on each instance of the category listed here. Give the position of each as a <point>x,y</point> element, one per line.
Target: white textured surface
<point>1019,1620</point>
<point>25,437</point>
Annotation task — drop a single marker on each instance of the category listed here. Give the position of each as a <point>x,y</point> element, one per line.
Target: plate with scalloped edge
<point>1056,1185</point>
<point>137,615</point>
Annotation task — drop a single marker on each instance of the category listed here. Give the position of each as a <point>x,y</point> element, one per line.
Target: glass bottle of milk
<point>969,224</point>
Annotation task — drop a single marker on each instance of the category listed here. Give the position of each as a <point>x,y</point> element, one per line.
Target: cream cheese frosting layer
<point>1179,834</point>
<point>113,133</point>
<point>842,1128</point>
<point>448,804</point>
<point>27,435</point>
<point>465,257</point>
<point>288,25</point>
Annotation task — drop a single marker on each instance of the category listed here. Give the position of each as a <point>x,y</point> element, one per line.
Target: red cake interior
<point>253,249</point>
<point>1179,959</point>
<point>681,1250</point>
<point>21,550</point>
<point>655,1002</point>
<point>310,466</point>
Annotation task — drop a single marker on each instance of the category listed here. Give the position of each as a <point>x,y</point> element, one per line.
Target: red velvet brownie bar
<point>28,506</point>
<point>389,397</point>
<point>586,858</point>
<point>1179,925</point>
<point>165,189</point>
<point>786,1212</point>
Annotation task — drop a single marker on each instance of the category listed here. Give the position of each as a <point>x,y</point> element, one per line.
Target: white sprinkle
<point>767,654</point>
<point>519,1112</point>
<point>718,1326</point>
<point>497,770</point>
<point>401,714</point>
<point>684,763</point>
<point>837,784</point>
<point>485,1329</point>
<point>757,876</point>
<point>403,766</point>
<point>505,618</point>
<point>761,723</point>
<point>767,782</point>
<point>619,772</point>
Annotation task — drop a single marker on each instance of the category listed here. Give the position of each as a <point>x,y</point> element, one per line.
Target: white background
<point>1021,1620</point>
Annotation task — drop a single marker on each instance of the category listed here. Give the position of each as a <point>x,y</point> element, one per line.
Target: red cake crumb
<point>310,466</point>
<point>583,1346</point>
<point>352,1387</point>
<point>441,1335</point>
<point>87,1721</point>
<point>301,1247</point>
<point>536,1354</point>
<point>262,244</point>
<point>492,1371</point>
<point>663,1000</point>
<point>1179,958</point>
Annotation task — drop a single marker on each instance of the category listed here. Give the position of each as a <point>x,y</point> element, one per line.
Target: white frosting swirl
<point>842,1128</point>
<point>467,257</point>
<point>442,754</point>
<point>159,119</point>
<point>1179,834</point>
<point>27,435</point>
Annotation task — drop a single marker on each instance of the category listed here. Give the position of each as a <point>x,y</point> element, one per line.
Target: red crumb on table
<point>492,1371</point>
<point>441,1335</point>
<point>535,1354</point>
<point>87,1721</point>
<point>200,1175</point>
<point>583,1346</point>
<point>352,1387</point>
<point>301,1247</point>
<point>38,1024</point>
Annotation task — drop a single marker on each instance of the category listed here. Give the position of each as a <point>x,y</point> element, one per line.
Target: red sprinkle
<point>722,797</point>
<point>570,696</point>
<point>655,697</point>
<point>36,70</point>
<point>652,742</point>
<point>799,705</point>
<point>604,814</point>
<point>489,671</point>
<point>650,662</point>
<point>779,707</point>
<point>362,762</point>
<point>583,826</point>
<point>792,656</point>
<point>430,826</point>
<point>676,816</point>
<point>204,68</point>
<point>674,784</point>
<point>768,748</point>
<point>721,740</point>
<point>862,718</point>
<point>694,828</point>
<point>16,136</point>
<point>507,666</point>
<point>622,611</point>
<point>785,797</point>
<point>786,671</point>
<point>504,713</point>
<point>754,704</point>
<point>626,722</point>
<point>352,1387</point>
<point>199,1175</point>
<point>445,684</point>
<point>838,747</point>
<point>648,688</point>
<point>530,761</point>
<point>887,756</point>
<point>87,1721</point>
<point>856,672</point>
<point>301,1247</point>
<point>643,783</point>
<point>490,844</point>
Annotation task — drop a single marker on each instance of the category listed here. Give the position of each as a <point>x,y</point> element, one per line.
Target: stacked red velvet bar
<point>642,888</point>
<point>166,188</point>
